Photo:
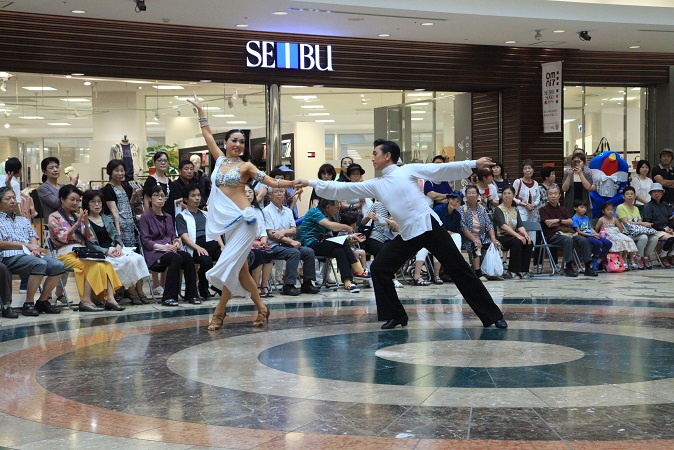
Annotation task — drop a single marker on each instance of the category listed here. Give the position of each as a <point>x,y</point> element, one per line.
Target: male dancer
<point>420,227</point>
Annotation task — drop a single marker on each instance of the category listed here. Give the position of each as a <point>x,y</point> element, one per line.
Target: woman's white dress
<point>224,217</point>
<point>130,267</point>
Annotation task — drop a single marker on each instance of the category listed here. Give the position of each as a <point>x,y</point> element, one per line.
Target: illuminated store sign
<point>287,55</point>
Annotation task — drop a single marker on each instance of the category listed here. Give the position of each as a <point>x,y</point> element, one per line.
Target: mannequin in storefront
<point>128,152</point>
<point>74,177</point>
<point>202,179</point>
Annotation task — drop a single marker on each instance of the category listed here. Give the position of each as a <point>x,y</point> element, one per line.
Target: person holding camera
<point>577,182</point>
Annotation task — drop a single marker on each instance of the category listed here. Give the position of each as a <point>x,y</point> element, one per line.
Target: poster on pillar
<point>551,83</point>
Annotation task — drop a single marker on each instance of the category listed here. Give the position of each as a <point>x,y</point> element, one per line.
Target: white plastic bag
<point>492,264</point>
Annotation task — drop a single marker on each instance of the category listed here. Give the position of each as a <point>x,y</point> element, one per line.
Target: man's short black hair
<point>13,165</point>
<point>185,162</point>
<point>389,147</point>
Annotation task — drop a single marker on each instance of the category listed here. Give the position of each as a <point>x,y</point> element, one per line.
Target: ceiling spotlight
<point>244,100</point>
<point>3,86</point>
<point>157,115</point>
<point>6,114</point>
<point>584,36</point>
<point>140,6</point>
<point>538,35</point>
<point>235,95</point>
<point>179,112</point>
<point>6,125</point>
<point>230,103</point>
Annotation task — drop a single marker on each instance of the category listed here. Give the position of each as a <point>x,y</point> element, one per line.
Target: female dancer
<point>229,213</point>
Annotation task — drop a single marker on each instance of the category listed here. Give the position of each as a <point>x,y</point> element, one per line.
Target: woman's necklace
<point>229,160</point>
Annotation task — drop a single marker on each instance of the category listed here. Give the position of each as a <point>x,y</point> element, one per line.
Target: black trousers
<point>396,252</point>
<point>174,262</point>
<point>520,254</point>
<point>342,253</point>
<point>205,262</point>
<point>373,246</point>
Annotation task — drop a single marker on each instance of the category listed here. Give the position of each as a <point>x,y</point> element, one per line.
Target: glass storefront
<point>615,113</point>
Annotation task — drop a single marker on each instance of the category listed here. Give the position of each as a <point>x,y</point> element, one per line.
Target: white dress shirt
<point>278,219</point>
<point>398,191</point>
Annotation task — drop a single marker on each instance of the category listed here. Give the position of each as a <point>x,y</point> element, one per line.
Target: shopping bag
<point>492,264</point>
<point>602,147</point>
<point>614,263</point>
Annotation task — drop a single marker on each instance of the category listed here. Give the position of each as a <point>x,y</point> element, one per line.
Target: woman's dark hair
<point>112,165</point>
<point>528,162</point>
<point>508,188</point>
<point>629,188</point>
<point>327,168</point>
<point>484,173</point>
<point>605,206</point>
<point>45,162</point>
<point>156,189</point>
<point>159,154</point>
<point>546,172</point>
<point>346,157</point>
<point>389,147</point>
<point>276,173</point>
<point>13,165</point>
<point>257,156</point>
<point>498,164</point>
<point>472,186</point>
<point>324,203</point>
<point>580,156</point>
<point>348,218</point>
<point>254,203</point>
<point>88,196</point>
<point>245,156</point>
<point>641,163</point>
<point>68,189</point>
<point>440,157</point>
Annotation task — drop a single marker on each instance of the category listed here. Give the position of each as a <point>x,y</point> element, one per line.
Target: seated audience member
<point>175,201</point>
<point>316,225</point>
<point>557,224</point>
<point>642,184</point>
<point>451,221</point>
<point>326,173</point>
<point>163,249</point>
<point>129,266</point>
<point>437,190</point>
<point>581,225</point>
<point>292,196</point>
<point>281,231</point>
<point>478,231</point>
<point>260,268</point>
<point>511,234</point>
<point>486,189</point>
<point>527,197</point>
<point>17,237</point>
<point>67,230</point>
<point>11,179</point>
<point>659,214</point>
<point>117,195</point>
<point>499,177</point>
<point>6,293</point>
<point>628,213</point>
<point>191,228</point>
<point>621,243</point>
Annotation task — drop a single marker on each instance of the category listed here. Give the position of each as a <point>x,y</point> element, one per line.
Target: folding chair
<point>543,244</point>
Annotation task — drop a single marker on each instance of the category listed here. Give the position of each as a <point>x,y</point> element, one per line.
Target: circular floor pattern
<point>179,373</point>
<point>479,353</point>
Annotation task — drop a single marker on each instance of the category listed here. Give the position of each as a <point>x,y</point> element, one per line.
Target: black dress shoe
<point>110,307</point>
<point>590,272</point>
<point>88,308</point>
<point>195,301</point>
<point>9,313</point>
<point>290,290</point>
<point>46,307</point>
<point>570,273</point>
<point>308,288</point>
<point>501,324</point>
<point>392,323</point>
<point>28,310</point>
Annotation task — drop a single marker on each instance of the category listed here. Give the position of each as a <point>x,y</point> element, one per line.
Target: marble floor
<point>586,363</point>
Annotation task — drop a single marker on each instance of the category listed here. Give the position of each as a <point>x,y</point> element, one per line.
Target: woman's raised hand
<point>194,101</point>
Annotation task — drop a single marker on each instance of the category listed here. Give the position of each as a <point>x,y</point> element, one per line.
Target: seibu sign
<point>287,55</point>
